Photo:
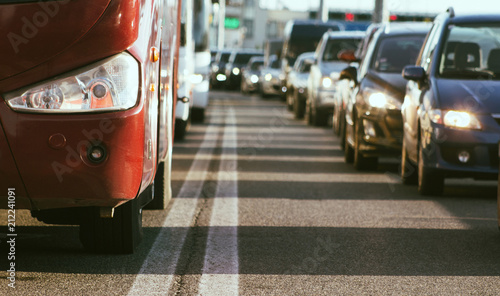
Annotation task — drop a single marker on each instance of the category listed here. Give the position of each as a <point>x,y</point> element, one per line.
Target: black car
<point>217,75</point>
<point>451,112</point>
<point>373,112</point>
<point>250,75</point>
<point>237,61</point>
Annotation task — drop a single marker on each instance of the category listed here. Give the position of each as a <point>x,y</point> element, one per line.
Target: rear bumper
<point>46,158</point>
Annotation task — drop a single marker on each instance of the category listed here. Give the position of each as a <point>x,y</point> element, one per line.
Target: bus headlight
<point>112,84</point>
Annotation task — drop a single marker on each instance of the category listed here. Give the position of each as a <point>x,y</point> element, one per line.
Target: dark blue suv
<point>451,111</point>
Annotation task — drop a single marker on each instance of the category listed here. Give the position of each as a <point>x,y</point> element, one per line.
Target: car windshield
<point>225,57</point>
<point>243,58</point>
<point>471,52</point>
<point>275,64</point>
<point>334,46</point>
<point>305,37</point>
<point>256,65</point>
<point>396,52</point>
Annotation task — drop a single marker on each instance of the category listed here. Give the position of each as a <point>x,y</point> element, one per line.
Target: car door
<point>415,92</point>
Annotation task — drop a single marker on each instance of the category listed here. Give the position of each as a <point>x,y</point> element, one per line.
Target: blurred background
<point>249,23</point>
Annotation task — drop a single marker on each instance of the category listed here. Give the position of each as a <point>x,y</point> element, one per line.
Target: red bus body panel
<point>43,155</point>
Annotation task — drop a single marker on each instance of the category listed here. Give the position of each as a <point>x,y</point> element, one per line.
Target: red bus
<point>86,117</point>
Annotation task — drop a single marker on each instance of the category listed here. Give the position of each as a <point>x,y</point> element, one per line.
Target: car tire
<point>430,182</point>
<point>289,100</point>
<point>320,119</point>
<point>243,88</point>
<point>342,133</point>
<point>118,235</point>
<point>298,107</point>
<point>308,113</point>
<point>409,171</point>
<point>348,150</point>
<point>336,121</point>
<point>181,128</point>
<point>162,188</point>
<point>362,162</point>
<point>198,114</point>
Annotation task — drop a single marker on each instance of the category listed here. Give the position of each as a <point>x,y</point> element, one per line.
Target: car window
<point>471,52</point>
<point>242,58</point>
<point>276,64</point>
<point>334,46</point>
<point>225,57</point>
<point>396,52</point>
<point>430,45</point>
<point>255,65</point>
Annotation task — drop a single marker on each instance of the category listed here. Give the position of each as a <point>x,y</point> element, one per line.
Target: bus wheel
<point>118,235</point>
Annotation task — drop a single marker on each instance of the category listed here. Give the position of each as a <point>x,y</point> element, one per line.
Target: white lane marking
<point>257,146</point>
<point>281,158</point>
<point>220,269</point>
<point>157,272</point>
<point>309,177</point>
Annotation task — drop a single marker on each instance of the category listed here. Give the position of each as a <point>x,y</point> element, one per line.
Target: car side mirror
<point>350,73</point>
<point>414,73</point>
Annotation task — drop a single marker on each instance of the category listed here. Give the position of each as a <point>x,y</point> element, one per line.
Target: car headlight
<point>221,77</point>
<point>456,119</point>
<point>236,71</point>
<point>326,83</point>
<point>254,78</point>
<point>268,77</point>
<point>112,84</point>
<point>196,78</point>
<point>382,100</point>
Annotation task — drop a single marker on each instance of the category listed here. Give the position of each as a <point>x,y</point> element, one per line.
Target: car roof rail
<point>451,11</point>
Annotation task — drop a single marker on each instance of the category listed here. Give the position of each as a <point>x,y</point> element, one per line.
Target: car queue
<point>422,91</point>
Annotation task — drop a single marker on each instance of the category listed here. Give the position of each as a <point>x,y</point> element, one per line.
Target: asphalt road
<point>265,205</point>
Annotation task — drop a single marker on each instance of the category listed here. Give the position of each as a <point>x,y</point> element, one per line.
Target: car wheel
<point>320,119</point>
<point>162,188</point>
<point>336,120</point>
<point>198,114</point>
<point>348,150</point>
<point>308,113</point>
<point>181,127</point>
<point>430,182</point>
<point>298,107</point>
<point>342,133</point>
<point>243,87</point>
<point>409,174</point>
<point>120,234</point>
<point>289,100</point>
<point>362,162</point>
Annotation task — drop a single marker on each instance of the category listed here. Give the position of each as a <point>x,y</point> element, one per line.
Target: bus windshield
<point>201,24</point>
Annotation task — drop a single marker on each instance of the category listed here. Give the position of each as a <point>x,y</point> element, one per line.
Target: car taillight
<point>112,84</point>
